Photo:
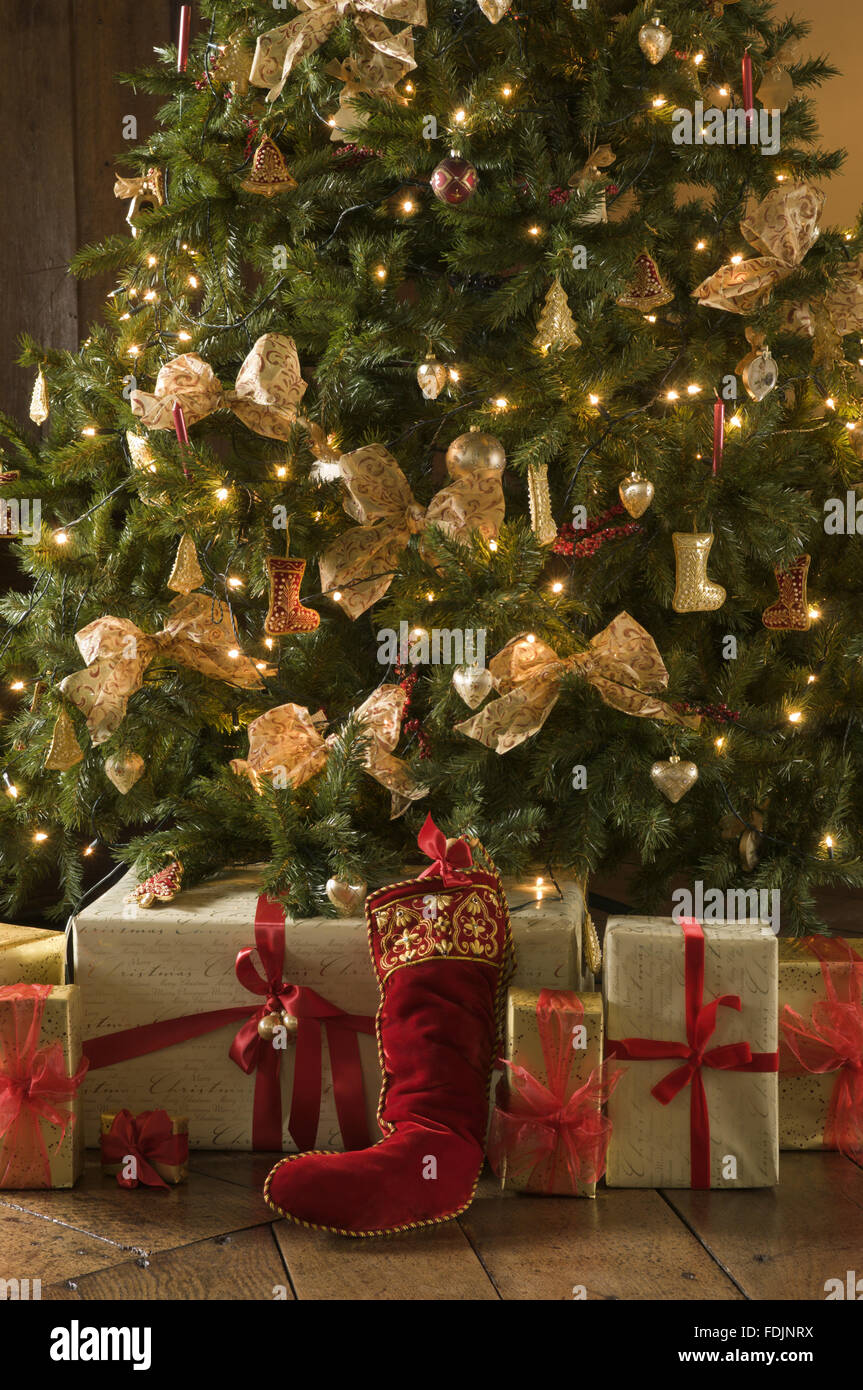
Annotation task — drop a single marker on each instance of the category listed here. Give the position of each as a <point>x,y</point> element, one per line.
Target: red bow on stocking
<point>447,857</point>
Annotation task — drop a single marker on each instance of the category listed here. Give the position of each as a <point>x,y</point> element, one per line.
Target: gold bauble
<point>267,1026</point>
<point>654,40</point>
<point>475,452</point>
<point>431,378</point>
<point>636,494</point>
<point>674,778</point>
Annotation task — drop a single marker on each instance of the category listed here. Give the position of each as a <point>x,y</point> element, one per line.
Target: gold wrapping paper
<point>360,563</point>
<point>288,738</point>
<point>279,50</point>
<point>198,633</point>
<point>61,1023</point>
<point>266,397</point>
<point>31,956</point>
<point>645,995</point>
<point>803,1100</point>
<point>136,967</point>
<point>622,664</point>
<point>524,1049</point>
<point>173,1173</point>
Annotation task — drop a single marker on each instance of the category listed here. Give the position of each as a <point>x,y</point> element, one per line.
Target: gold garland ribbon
<point>622,664</point>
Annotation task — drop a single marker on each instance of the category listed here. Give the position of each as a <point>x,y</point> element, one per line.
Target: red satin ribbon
<point>694,1054</point>
<point>831,1040</point>
<point>718,435</point>
<point>252,1053</point>
<point>544,1129</point>
<point>149,1139</point>
<point>34,1086</point>
<point>447,861</point>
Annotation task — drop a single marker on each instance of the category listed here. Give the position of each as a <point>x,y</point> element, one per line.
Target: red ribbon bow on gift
<point>700,1026</point>
<point>252,1053</point>
<point>541,1129</point>
<point>831,1039</point>
<point>448,857</point>
<point>34,1086</point>
<point>148,1138</point>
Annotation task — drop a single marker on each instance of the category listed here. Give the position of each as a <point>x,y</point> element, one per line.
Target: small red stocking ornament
<point>790,612</point>
<point>442,952</point>
<point>286,614</point>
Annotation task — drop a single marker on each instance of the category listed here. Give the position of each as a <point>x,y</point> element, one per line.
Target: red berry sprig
<point>720,713</point>
<point>407,680</point>
<point>594,535</point>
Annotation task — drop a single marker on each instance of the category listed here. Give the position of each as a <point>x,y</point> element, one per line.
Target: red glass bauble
<point>454,180</point>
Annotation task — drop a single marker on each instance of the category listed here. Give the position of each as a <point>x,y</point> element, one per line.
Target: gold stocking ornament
<point>693,591</point>
<point>790,612</point>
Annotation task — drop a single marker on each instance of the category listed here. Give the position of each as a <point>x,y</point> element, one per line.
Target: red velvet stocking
<point>442,953</point>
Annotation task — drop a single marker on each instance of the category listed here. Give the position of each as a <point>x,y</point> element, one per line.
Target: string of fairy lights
<point>150,290</point>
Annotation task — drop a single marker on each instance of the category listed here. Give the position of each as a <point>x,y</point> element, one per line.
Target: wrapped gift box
<point>806,1097</point>
<point>652,997</point>
<point>170,1172</point>
<point>29,955</point>
<point>554,1039</point>
<point>141,966</point>
<point>40,1042</point>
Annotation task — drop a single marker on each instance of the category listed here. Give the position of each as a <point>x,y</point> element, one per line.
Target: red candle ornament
<point>718,435</point>
<point>748,100</point>
<point>183,43</point>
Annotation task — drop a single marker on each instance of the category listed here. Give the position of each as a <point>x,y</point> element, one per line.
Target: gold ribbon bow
<point>783,227</point>
<point>280,49</point>
<point>360,563</point>
<point>198,633</point>
<point>622,663</point>
<point>371,72</point>
<point>288,737</point>
<point>149,188</point>
<point>266,397</point>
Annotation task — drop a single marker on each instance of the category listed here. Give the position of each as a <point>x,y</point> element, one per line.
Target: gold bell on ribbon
<point>65,750</point>
<point>290,1025</point>
<point>646,290</point>
<point>270,174</point>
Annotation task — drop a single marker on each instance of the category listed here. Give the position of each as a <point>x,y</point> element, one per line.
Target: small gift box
<point>29,955</point>
<point>821,1045</point>
<point>694,1010</point>
<point>41,1069</point>
<point>548,1131</point>
<point>150,1149</point>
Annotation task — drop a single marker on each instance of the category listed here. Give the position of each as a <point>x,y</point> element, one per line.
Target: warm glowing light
<point>810,680</point>
<point>501,402</point>
<point>331,121</point>
<point>780,178</point>
<point>430,596</point>
<point>150,296</point>
<point>90,849</point>
<point>594,400</point>
<point>234,582</point>
<point>795,717</point>
<point>454,374</point>
<point>506,91</point>
<point>60,538</point>
<point>736,258</point>
<point>89,431</point>
<point>534,231</point>
<point>830,403</point>
<point>407,205</point>
<point>184,336</point>
<point>651,318</point>
<point>657,102</point>
<point>492,545</point>
<point>531,637</point>
<point>557,587</point>
<point>151,261</point>
<point>260,665</point>
<point>17,685</point>
<point>851,425</point>
<point>381,272</point>
<point>540,882</point>
<point>409,88</point>
<point>193,281</point>
<point>337,595</point>
<point>459,116</point>
<point>698,59</point>
<point>12,790</point>
<point>125,316</point>
<point>269,643</point>
<point>701,245</point>
<point>40,836</point>
<point>724,92</point>
<point>692,389</point>
<point>233,653</point>
<point>736,422</point>
<point>814,614</point>
<point>133,350</point>
<point>720,744</point>
<point>281,471</point>
<point>222,494</point>
<point>848,236</point>
<point>672,396</point>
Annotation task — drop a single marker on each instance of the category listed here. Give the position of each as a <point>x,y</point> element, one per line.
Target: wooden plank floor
<point>214,1238</point>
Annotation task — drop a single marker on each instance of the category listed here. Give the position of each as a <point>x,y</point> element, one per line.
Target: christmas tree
<point>476,398</point>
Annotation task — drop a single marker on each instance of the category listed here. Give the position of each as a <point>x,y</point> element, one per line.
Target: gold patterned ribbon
<point>280,49</point>
<point>370,72</point>
<point>783,227</point>
<point>266,397</point>
<point>622,664</point>
<point>148,188</point>
<point>289,737</point>
<point>198,633</point>
<point>360,563</point>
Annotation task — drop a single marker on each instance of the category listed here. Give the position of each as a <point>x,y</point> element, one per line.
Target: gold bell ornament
<point>646,290</point>
<point>270,174</point>
<point>693,591</point>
